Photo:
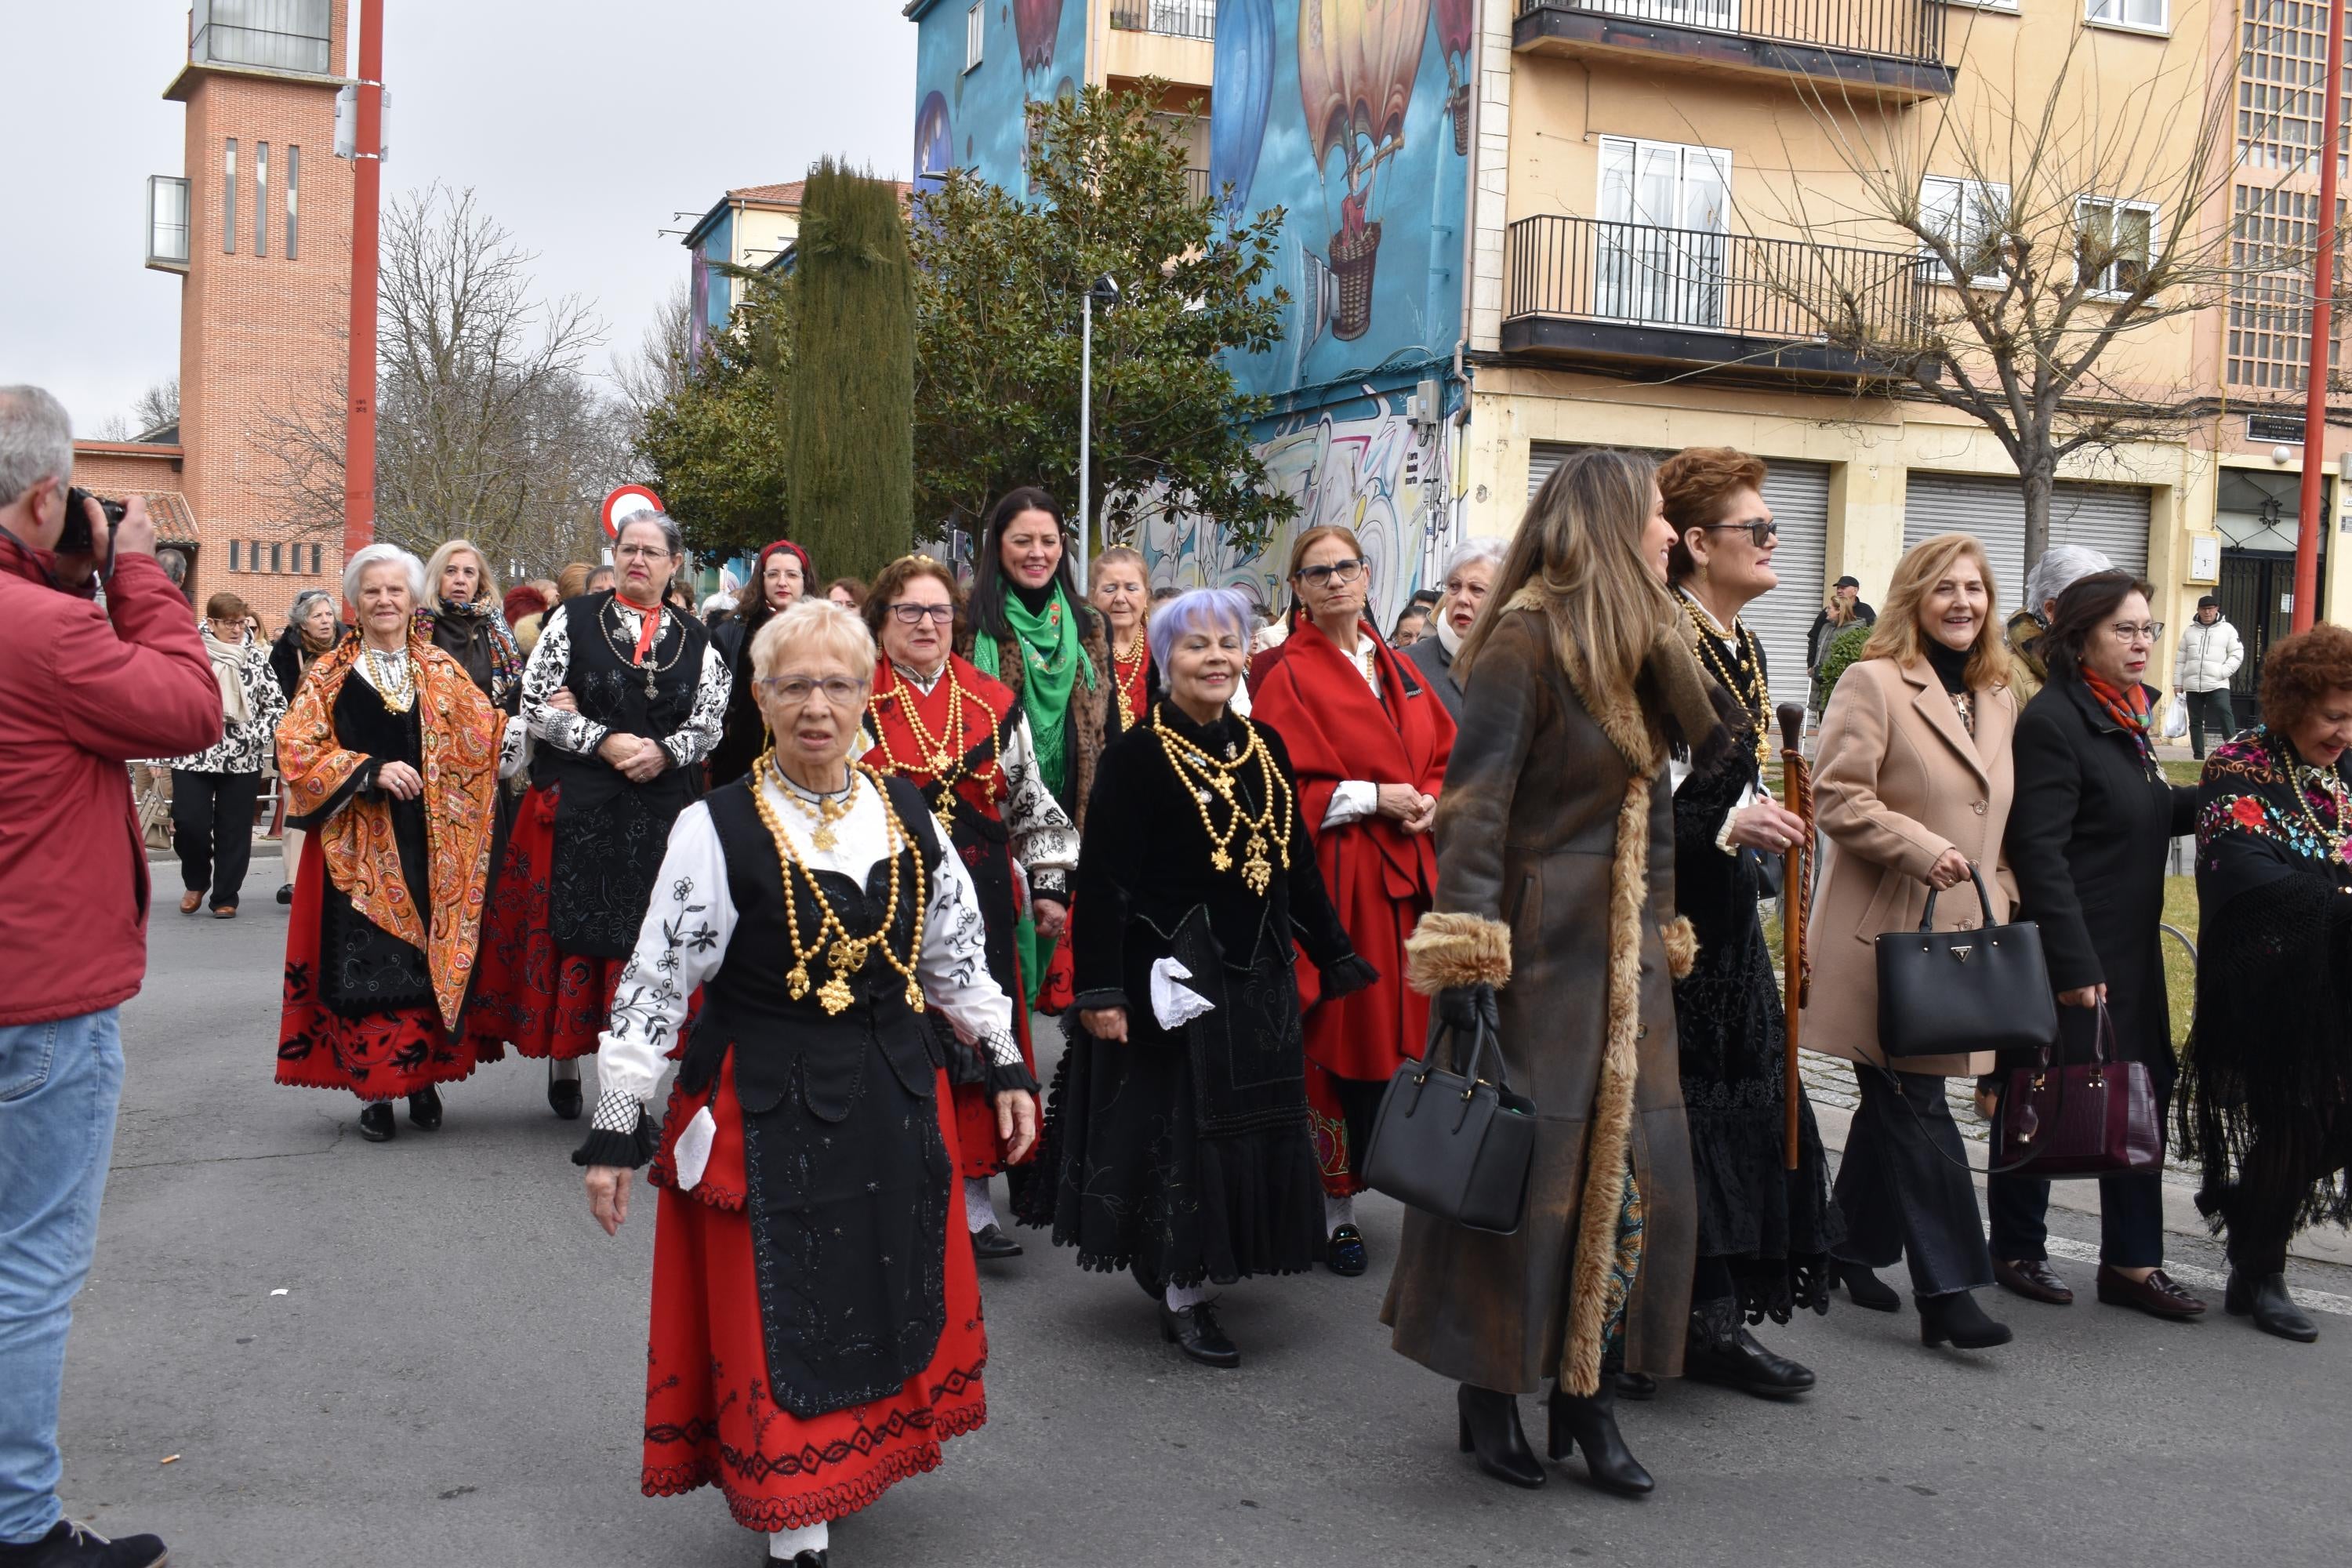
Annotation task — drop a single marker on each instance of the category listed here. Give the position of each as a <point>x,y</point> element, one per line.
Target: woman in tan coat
<point>1911,787</point>
<point>1555,853</point>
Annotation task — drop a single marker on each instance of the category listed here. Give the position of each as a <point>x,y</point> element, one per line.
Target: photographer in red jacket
<point>83,689</point>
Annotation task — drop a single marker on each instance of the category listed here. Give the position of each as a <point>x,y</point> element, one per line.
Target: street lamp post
<point>1105,292</point>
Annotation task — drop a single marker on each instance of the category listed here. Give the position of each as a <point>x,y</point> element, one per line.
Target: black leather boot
<point>425,1110</point>
<point>1865,1288</point>
<point>2264,1298</point>
<point>1490,1428</point>
<point>1593,1424</point>
<point>375,1121</point>
<point>1956,1319</point>
<point>1721,1350</point>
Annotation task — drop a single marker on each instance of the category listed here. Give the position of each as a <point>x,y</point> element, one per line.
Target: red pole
<point>367,193</point>
<point>2323,334</point>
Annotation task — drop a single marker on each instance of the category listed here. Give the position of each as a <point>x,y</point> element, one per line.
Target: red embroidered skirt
<point>528,993</point>
<point>380,1056</point>
<point>709,1418</point>
<point>975,1109</point>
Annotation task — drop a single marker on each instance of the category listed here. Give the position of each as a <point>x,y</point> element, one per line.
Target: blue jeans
<point>59,1084</point>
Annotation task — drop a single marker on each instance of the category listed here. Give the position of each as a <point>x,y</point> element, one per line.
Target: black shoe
<point>1194,1331</point>
<point>1721,1350</point>
<point>2264,1298</point>
<point>1956,1319</point>
<point>808,1560</point>
<point>990,1244</point>
<point>375,1121</point>
<point>285,892</point>
<point>1488,1423</point>
<point>1608,1464</point>
<point>1638,1385</point>
<point>1864,1289</point>
<point>71,1545</point>
<point>2034,1278</point>
<point>1344,1252</point>
<point>563,1098</point>
<point>425,1110</point>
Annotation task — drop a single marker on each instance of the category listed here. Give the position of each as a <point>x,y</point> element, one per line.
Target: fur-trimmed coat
<point>1555,854</point>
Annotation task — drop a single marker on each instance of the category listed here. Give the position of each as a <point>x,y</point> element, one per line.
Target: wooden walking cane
<point>1795,882</point>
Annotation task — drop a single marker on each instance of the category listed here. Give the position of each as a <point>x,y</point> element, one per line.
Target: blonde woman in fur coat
<point>1555,918</point>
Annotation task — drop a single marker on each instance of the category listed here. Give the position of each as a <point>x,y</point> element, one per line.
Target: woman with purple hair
<point>1177,1145</point>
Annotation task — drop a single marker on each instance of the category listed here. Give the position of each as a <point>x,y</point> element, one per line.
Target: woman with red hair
<point>780,575</point>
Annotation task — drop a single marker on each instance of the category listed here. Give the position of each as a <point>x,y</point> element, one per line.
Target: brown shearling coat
<point>1897,780</point>
<point>1529,851</point>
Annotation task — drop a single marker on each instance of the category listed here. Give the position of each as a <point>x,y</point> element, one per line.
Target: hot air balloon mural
<point>1038,25</point>
<point>1243,93</point>
<point>934,143</point>
<point>1457,23</point>
<point>1357,62</point>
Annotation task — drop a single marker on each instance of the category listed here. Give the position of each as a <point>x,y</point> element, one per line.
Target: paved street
<point>425,1353</point>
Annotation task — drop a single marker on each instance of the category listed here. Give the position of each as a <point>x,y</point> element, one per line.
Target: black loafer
<point>375,1121</point>
<point>71,1545</point>
<point>285,892</point>
<point>990,1244</point>
<point>1345,1254</point>
<point>2264,1298</point>
<point>563,1098</point>
<point>425,1110</point>
<point>1194,1330</point>
<point>1742,1364</point>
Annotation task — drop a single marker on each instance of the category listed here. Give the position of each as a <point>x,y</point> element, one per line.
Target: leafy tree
<point>852,386</point>
<point>714,433</point>
<point>998,282</point>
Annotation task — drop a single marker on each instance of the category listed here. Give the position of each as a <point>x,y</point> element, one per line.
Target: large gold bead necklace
<point>1205,777</point>
<point>1752,693</point>
<point>845,954</point>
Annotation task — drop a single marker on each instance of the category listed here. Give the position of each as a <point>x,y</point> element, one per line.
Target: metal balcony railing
<point>1896,29</point>
<point>167,220</point>
<point>278,34</point>
<point>1177,18</point>
<point>1196,184</point>
<point>1583,268</point>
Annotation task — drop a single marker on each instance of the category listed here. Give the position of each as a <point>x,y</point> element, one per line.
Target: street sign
<point>624,503</point>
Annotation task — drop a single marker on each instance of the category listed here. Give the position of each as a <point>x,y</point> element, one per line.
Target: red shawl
<point>986,703</point>
<point>1380,878</point>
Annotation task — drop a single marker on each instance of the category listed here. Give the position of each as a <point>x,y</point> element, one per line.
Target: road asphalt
<point>301,1349</point>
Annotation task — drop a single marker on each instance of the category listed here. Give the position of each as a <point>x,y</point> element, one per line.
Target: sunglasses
<point>1761,532</point>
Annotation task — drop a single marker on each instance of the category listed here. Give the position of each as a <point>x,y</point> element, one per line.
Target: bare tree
<point>2063,230</point>
<point>153,411</point>
<point>657,369</point>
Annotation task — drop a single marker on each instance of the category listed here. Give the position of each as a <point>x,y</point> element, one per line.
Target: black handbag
<point>1949,993</point>
<point>1456,1144</point>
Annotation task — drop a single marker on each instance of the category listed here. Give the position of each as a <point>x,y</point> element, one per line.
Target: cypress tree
<point>852,389</point>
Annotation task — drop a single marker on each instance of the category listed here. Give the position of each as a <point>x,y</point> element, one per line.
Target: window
<point>2282,55</point>
<point>2272,236</point>
<point>233,565</point>
<point>1665,209</point>
<point>2145,15</point>
<point>975,25</point>
<point>2113,242</point>
<point>314,561</point>
<point>1970,216</point>
<point>228,199</point>
<point>293,187</point>
<point>261,198</point>
<point>276,557</point>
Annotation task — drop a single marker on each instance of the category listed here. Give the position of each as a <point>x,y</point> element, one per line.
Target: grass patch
<point>2182,770</point>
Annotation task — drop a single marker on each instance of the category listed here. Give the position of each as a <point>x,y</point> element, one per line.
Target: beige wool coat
<point>1897,780</point>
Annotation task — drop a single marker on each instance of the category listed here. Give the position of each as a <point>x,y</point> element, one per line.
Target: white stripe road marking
<point>2205,1279</point>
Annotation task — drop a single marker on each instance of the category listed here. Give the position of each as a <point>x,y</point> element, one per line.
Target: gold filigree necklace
<point>845,954</point>
<point>1269,829</point>
<point>1751,691</point>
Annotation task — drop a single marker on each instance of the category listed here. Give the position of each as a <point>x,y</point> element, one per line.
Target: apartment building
<point>745,230</point>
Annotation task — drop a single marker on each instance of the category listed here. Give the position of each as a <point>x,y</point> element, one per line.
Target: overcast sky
<point>582,124</point>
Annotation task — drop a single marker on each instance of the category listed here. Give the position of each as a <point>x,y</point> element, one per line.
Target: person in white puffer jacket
<point>2210,651</point>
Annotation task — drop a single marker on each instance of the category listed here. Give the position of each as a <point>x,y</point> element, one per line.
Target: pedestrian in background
<point>214,790</point>
<point>83,690</point>
<point>1842,609</point>
<point>2270,1060</point>
<point>779,578</point>
<point>523,600</point>
<point>1411,623</point>
<point>1469,576</point>
<point>2086,840</point>
<point>2211,652</point>
<point>570,584</point>
<point>312,630</point>
<point>849,593</point>
<point>461,616</point>
<point>2060,568</point>
<point>1120,594</point>
<point>1912,786</point>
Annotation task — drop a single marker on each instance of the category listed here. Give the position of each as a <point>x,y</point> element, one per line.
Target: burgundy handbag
<point>2093,1119</point>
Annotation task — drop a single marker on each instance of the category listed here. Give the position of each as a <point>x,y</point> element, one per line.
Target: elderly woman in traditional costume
<point>1179,1146</point>
<point>816,1330</point>
<point>390,755</point>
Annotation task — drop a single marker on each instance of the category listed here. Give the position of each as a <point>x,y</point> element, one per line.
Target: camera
<point>77,539</point>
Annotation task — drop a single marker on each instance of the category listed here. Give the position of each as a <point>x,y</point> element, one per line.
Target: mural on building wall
<point>1039,26</point>
<point>1244,94</point>
<point>1457,25</point>
<point>934,140</point>
<point>1031,52</point>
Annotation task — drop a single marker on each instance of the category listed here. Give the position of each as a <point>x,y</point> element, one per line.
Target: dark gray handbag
<point>1455,1143</point>
<point>1950,993</point>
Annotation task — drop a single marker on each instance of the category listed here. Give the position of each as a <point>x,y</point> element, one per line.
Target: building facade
<point>747,229</point>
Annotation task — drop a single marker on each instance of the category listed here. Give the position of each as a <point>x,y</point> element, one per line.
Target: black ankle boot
<point>375,1121</point>
<point>1865,1288</point>
<point>425,1110</point>
<point>1490,1428</point>
<point>1721,1350</point>
<point>1958,1319</point>
<point>2264,1298</point>
<point>1593,1423</point>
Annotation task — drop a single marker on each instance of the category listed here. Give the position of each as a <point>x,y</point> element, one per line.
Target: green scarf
<point>1052,661</point>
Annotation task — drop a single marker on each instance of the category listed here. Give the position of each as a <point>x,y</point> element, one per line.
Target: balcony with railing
<point>270,34</point>
<point>167,222</point>
<point>1621,295</point>
<point>1172,18</point>
<point>1891,49</point>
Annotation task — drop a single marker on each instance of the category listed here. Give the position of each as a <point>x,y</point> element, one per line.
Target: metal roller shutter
<point>2111,519</point>
<point>1799,495</point>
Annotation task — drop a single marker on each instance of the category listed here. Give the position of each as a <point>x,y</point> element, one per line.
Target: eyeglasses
<point>1761,531</point>
<point>641,553</point>
<point>916,614</point>
<point>1336,572</point>
<point>2127,633</point>
<point>794,690</point>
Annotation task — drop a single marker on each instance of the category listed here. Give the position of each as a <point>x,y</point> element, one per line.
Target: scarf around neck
<point>2128,707</point>
<point>228,674</point>
<point>1051,663</point>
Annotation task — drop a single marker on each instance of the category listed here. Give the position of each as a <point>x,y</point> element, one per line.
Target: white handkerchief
<point>1173,1003</point>
<point>692,1154</point>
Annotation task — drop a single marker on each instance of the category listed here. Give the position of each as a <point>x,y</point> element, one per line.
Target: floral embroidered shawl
<point>460,731</point>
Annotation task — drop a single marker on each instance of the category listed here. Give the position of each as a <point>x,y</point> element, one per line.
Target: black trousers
<point>212,828</point>
<point>2213,705</point>
<point>2131,1219</point>
<point>1905,1188</point>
